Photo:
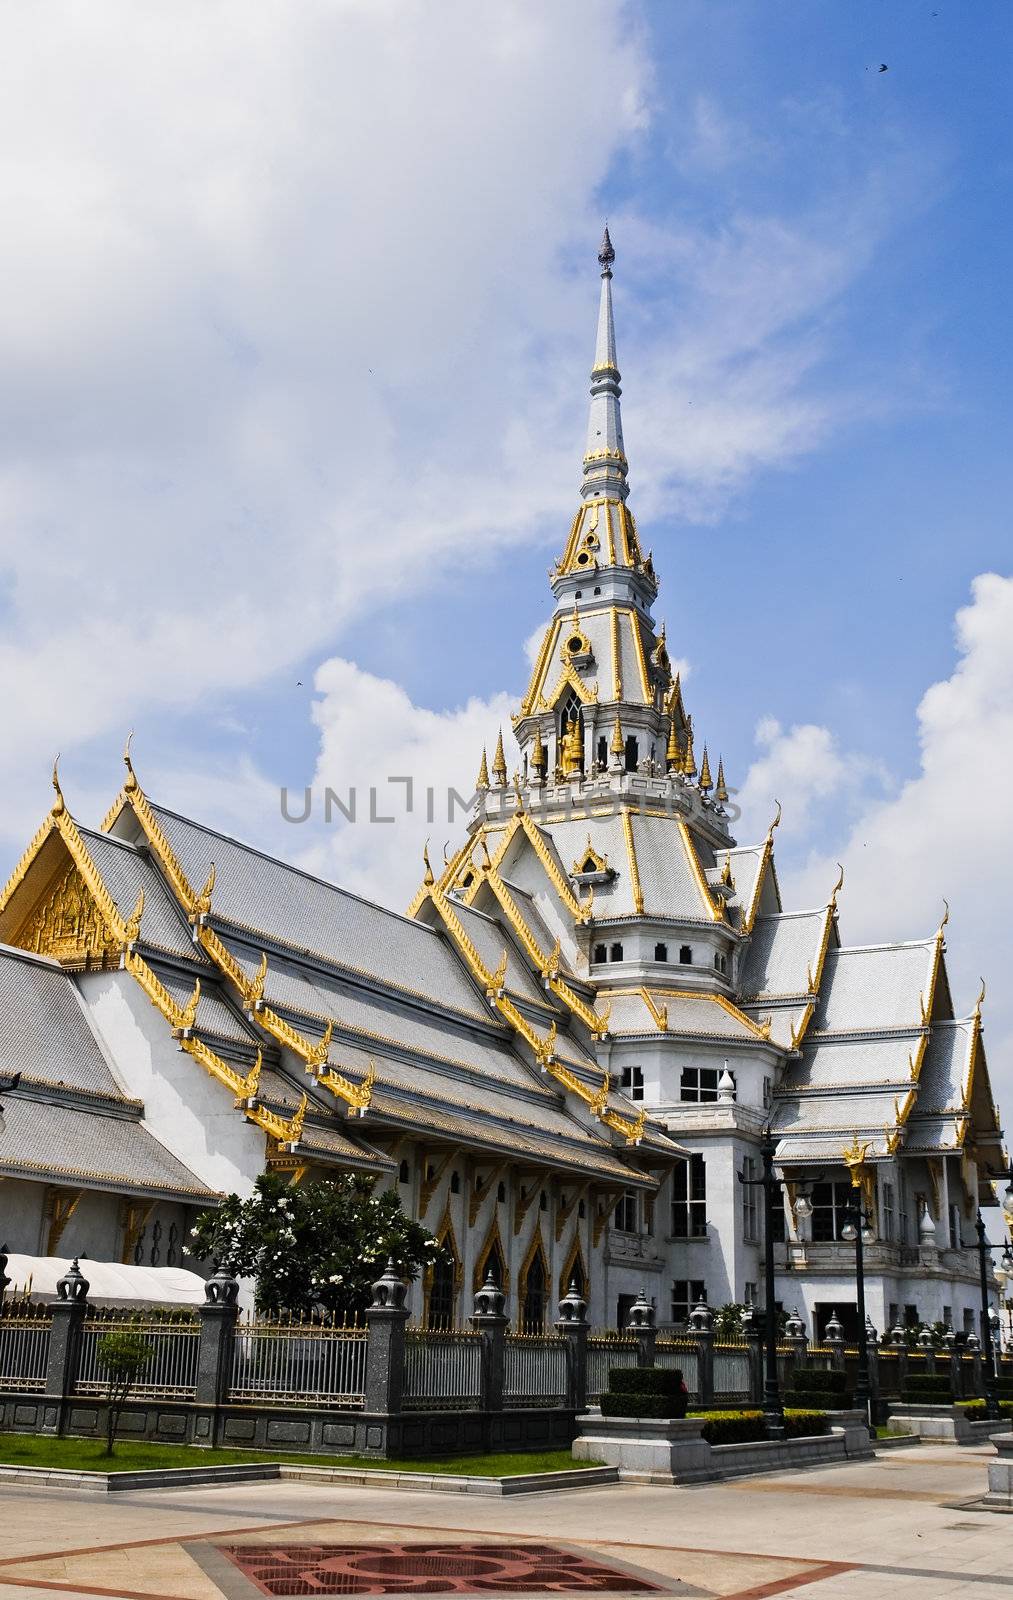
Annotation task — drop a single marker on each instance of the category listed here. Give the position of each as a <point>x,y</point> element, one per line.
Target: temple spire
<point>605,458</point>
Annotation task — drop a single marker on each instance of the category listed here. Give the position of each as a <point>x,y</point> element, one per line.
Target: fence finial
<point>222,1288</point>
<point>490,1301</point>
<point>573,1306</point>
<point>389,1290</point>
<point>641,1314</point>
<point>73,1286</point>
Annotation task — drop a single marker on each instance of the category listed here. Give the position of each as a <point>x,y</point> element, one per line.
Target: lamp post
<point>991,1396</point>
<point>773,1410</point>
<point>858,1226</point>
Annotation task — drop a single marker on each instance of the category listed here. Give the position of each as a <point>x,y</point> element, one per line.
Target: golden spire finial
<point>946,918</point>
<point>499,766</point>
<point>538,760</point>
<point>980,1001</point>
<point>482,781</point>
<point>689,760</point>
<point>721,792</point>
<point>706,781</point>
<point>130,782</point>
<point>672,753</point>
<point>59,803</point>
<point>776,822</point>
<point>838,886</point>
<point>618,745</point>
<point>429,878</point>
<point>726,872</point>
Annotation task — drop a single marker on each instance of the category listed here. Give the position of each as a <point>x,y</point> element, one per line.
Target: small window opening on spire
<point>603,755</point>
<point>686,955</point>
<point>632,754</point>
<point>600,953</point>
<point>597,588</point>
<point>616,953</point>
<point>661,952</point>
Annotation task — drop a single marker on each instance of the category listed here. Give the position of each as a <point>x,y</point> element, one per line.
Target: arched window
<point>441,1294</point>
<point>632,754</point>
<point>581,1209</point>
<point>616,953</point>
<point>578,1276</point>
<point>533,1304</point>
<point>455,1183</point>
<point>571,714</point>
<point>501,1192</point>
<point>543,1201</point>
<point>661,952</point>
<point>494,1264</point>
<point>600,953</point>
<point>686,955</point>
<point>402,1173</point>
<point>603,754</point>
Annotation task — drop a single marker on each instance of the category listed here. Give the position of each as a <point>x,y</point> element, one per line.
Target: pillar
<point>490,1320</point>
<point>572,1325</point>
<point>385,1351</point>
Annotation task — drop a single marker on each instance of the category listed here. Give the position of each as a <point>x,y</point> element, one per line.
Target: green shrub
<point>813,1400</point>
<point>645,1380</point>
<point>749,1427</point>
<point>934,1389</point>
<point>812,1378</point>
<point>974,1410</point>
<point>642,1405</point>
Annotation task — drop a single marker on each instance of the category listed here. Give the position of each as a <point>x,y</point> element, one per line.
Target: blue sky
<point>294,349</point>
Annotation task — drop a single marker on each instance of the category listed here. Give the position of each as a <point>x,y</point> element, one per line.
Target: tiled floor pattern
<point>891,1529</point>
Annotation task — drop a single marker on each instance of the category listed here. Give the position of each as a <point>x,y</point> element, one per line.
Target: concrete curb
<point>271,1471</point>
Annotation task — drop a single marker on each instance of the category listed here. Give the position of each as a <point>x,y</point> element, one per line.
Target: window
<point>911,1317</point>
<point>455,1183</point>
<point>689,1199</point>
<point>778,1226</point>
<point>968,1320</point>
<point>441,1294</point>
<point>625,1215</point>
<point>600,952</point>
<point>597,588</point>
<point>661,952</point>
<point>543,1201</point>
<point>889,1208</point>
<point>501,1192</point>
<point>700,1083</point>
<point>750,1214</point>
<point>830,1201</point>
<point>894,1313</point>
<point>616,953</point>
<point>955,1239</point>
<point>720,962</point>
<point>403,1174</point>
<point>603,754</point>
<point>948,1316</point>
<point>686,956</point>
<point>749,1294</point>
<point>581,1209</point>
<point>648,1213</point>
<point>632,754</point>
<point>533,1310</point>
<point>687,1293</point>
<point>632,1080</point>
<point>768,1093</point>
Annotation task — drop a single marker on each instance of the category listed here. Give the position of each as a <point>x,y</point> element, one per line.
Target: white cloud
<point>945,833</point>
<point>373,739</point>
<point>802,767</point>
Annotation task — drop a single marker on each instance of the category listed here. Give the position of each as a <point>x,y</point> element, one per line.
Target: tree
<point>124,1354</point>
<point>315,1249</point>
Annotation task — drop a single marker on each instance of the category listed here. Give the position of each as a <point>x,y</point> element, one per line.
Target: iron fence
<point>443,1371</point>
<point>171,1370</point>
<point>535,1370</point>
<point>300,1363</point>
<point>24,1345</point>
<point>732,1375</point>
<point>605,1350</point>
<point>684,1355</point>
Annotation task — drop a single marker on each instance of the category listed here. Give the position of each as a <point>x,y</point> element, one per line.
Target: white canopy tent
<point>111,1284</point>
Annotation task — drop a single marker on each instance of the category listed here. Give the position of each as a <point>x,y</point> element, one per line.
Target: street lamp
<point>991,1397</point>
<point>858,1228</point>
<point>773,1410</point>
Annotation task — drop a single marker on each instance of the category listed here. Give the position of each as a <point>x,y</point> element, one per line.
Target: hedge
<point>642,1405</point>
<point>645,1380</point>
<point>812,1378</point>
<point>974,1410</point>
<point>930,1387</point>
<point>812,1399</point>
<point>748,1427</point>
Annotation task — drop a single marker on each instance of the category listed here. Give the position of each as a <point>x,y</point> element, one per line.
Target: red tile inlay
<point>288,1569</point>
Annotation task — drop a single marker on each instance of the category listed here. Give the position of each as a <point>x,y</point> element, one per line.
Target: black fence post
<point>641,1325</point>
<point>68,1312</point>
<point>385,1350</point>
<point>572,1325</point>
<point>218,1317</point>
<point>490,1320</point>
<point>753,1335</point>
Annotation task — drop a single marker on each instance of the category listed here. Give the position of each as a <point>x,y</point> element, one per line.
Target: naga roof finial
<point>59,803</point>
<point>131,778</point>
<point>429,878</point>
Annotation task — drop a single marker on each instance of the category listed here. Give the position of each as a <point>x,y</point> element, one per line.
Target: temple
<point>563,1057</point>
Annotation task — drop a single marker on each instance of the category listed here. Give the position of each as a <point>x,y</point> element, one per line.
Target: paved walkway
<point>895,1527</point>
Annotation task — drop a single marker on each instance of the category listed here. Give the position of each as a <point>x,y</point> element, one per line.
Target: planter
<point>947,1423</point>
<point>1000,1475</point>
<point>666,1450</point>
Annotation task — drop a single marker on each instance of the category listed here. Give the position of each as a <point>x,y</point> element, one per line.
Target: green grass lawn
<point>86,1455</point>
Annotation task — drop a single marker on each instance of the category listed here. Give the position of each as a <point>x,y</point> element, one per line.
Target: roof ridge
<point>896,944</point>
<point>33,956</point>
<point>278,861</point>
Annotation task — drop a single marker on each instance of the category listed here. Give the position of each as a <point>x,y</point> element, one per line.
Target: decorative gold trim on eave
<point>617,666</point>
<point>163,850</point>
<point>556,876</point>
<point>20,872</point>
<point>716,912</point>
<point>244,1087</point>
<point>750,915</point>
<point>534,693</point>
<point>631,856</point>
<point>638,646</point>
